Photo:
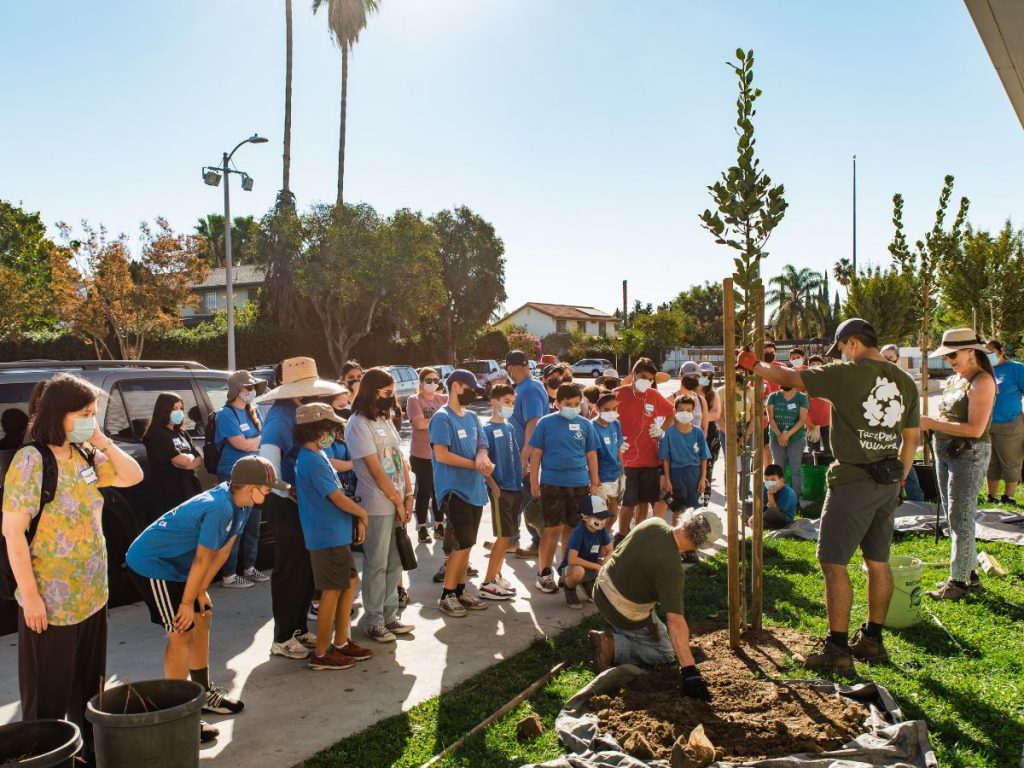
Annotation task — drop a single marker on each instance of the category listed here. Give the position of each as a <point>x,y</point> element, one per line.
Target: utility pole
<point>854,214</point>
<point>625,304</point>
<point>229,283</point>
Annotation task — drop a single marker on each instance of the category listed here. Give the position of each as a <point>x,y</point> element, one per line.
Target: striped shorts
<point>162,598</point>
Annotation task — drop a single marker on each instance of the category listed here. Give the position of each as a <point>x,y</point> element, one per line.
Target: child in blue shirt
<point>684,455</point>
<point>331,521</point>
<point>505,488</point>
<point>589,544</point>
<point>610,447</point>
<point>780,502</point>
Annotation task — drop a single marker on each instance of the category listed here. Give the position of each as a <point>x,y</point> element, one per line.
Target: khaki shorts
<point>857,514</point>
<point>333,568</point>
<point>613,489</point>
<point>1007,451</point>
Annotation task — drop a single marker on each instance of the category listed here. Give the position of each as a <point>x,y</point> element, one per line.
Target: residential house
<point>247,280</point>
<point>543,319</point>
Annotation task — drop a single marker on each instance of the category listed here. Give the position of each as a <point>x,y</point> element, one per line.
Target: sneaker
<point>256,576</point>
<point>602,648</point>
<point>526,554</point>
<point>450,604</point>
<point>492,590</point>
<point>438,532</point>
<point>1004,499</point>
<point>424,534</point>
<point>990,499</point>
<point>949,590</point>
<point>333,659</point>
<point>308,639</point>
<point>505,584</point>
<point>472,572</point>
<point>868,648</point>
<point>398,628</point>
<point>290,649</point>
<point>546,582</point>
<point>439,576</point>
<point>313,612</point>
<point>488,545</point>
<point>472,602</point>
<point>380,634</point>
<point>354,651</point>
<point>403,598</point>
<point>828,656</point>
<point>571,598</point>
<point>217,702</point>
<point>207,732</point>
<point>234,581</point>
<point>974,584</point>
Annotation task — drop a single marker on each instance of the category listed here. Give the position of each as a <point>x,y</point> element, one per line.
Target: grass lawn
<point>972,699</point>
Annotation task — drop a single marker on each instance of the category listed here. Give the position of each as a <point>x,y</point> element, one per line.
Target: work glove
<point>747,360</point>
<point>656,432</point>
<point>692,685</point>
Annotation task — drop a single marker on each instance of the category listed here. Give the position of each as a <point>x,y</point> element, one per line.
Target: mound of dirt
<point>749,718</point>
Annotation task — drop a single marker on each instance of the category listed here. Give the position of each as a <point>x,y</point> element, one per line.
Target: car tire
<point>595,373</point>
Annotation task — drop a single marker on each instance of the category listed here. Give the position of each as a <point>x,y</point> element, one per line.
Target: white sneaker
<point>452,606</point>
<point>505,584</point>
<point>234,581</point>
<point>290,649</point>
<point>492,591</point>
<point>308,640</point>
<point>256,576</point>
<point>546,582</point>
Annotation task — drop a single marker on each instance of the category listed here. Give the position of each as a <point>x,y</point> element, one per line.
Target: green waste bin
<point>813,478</point>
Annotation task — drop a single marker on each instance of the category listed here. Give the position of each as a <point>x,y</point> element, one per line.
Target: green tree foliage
<point>700,310</point>
<point>490,343</point>
<point>749,206</point>
<point>888,300</point>
<point>280,245</point>
<point>472,259</point>
<point>796,296</point>
<point>661,332</point>
<point>843,271</point>
<point>245,240</point>
<point>25,252</point>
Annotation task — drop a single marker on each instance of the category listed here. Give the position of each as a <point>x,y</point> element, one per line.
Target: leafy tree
<point>631,342</point>
<point>280,244</point>
<point>25,263</point>
<point>345,19</point>
<point>796,296</point>
<point>101,291</point>
<point>525,341</point>
<point>472,258</point>
<point>490,343</point>
<point>661,332</point>
<point>245,234</point>
<point>749,206</point>
<point>843,271</point>
<point>888,300</point>
<point>700,310</point>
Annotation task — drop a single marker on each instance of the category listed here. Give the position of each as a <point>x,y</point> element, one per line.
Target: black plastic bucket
<point>926,477</point>
<point>150,724</point>
<point>39,744</point>
<point>823,459</point>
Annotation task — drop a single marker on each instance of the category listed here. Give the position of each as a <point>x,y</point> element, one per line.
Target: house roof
<point>244,274</point>
<point>564,312</point>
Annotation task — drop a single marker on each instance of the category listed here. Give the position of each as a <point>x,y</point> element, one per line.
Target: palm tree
<point>794,295</point>
<point>285,198</point>
<point>843,270</point>
<point>345,19</point>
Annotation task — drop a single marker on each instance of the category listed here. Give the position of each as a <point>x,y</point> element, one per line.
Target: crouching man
<point>645,571</point>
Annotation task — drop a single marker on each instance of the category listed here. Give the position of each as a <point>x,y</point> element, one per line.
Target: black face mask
<point>343,413</point>
<point>466,397</point>
<point>553,383</point>
<point>386,403</point>
<point>769,357</point>
<point>787,389</point>
<point>690,384</point>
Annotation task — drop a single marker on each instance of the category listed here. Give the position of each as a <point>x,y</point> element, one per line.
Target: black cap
<point>848,328</point>
<point>548,370</point>
<point>515,357</point>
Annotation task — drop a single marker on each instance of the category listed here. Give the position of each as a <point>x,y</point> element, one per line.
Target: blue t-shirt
<point>279,430</point>
<point>565,444</point>
<point>323,524</point>
<point>503,449</point>
<point>464,437</point>
<point>531,403</point>
<point>1010,380</point>
<point>339,452</point>
<point>233,422</point>
<point>586,543</point>
<point>609,459</point>
<point>683,449</point>
<point>166,549</point>
<point>786,501</point>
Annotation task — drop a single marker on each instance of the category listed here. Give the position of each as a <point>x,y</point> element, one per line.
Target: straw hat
<point>299,379</point>
<point>956,339</point>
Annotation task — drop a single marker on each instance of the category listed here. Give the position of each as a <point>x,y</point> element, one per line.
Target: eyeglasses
<point>431,381</point>
<point>950,355</point>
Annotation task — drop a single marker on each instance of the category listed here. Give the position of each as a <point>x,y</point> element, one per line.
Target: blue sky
<point>586,130</point>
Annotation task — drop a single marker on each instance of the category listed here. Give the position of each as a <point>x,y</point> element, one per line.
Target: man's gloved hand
<point>692,685</point>
<point>747,360</point>
<point>656,432</point>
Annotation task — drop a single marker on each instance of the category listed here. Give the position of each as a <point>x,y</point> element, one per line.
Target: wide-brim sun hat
<point>299,378</point>
<point>956,339</point>
<point>240,379</point>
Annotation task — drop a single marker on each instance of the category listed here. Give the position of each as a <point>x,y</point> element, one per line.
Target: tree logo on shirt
<point>884,406</point>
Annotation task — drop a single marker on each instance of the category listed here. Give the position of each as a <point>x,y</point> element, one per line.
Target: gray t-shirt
<point>366,438</point>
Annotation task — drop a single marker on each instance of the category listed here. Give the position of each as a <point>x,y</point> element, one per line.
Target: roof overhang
<point>1001,26</point>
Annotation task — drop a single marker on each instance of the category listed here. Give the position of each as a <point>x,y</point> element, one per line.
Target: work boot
<point>602,648</point>
<point>829,657</point>
<point>949,590</point>
<point>868,648</point>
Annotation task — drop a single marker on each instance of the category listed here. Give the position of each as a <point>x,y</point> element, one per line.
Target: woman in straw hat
<point>962,449</point>
<point>291,584</point>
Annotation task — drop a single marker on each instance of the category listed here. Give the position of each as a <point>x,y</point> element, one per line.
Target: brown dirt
<point>750,717</point>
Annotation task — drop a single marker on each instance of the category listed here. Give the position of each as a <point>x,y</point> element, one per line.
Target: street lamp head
<point>257,139</point>
<point>247,182</point>
<point>211,177</point>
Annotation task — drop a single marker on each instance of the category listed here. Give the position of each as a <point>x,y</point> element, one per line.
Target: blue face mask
<point>177,418</point>
<point>703,381</point>
<point>507,411</point>
<point>83,429</point>
<point>993,358</point>
<point>569,413</point>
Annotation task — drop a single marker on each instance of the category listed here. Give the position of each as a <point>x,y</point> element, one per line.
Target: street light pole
<point>855,215</point>
<point>228,281</point>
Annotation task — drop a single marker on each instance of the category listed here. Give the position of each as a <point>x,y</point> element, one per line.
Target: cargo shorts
<point>857,514</point>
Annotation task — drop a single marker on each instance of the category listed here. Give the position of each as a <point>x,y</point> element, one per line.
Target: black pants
<point>60,669</point>
<point>291,583</point>
<point>425,499</point>
<point>824,444</point>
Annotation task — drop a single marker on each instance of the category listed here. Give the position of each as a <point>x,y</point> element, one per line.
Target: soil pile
<point>750,718</point>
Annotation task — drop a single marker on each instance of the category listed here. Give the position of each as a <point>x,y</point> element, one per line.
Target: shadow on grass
<point>928,637</point>
<point>379,746</point>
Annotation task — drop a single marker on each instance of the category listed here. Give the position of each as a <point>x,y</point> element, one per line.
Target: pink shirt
<point>421,405</point>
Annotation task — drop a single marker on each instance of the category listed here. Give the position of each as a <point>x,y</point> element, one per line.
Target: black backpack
<point>47,490</point>
<point>211,452</point>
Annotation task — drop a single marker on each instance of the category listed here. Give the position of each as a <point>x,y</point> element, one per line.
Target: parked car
<point>131,387</point>
<point>406,379</point>
<point>487,372</point>
<point>591,366</point>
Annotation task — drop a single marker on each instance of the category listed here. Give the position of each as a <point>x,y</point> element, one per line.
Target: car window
<point>131,406</point>
<point>14,412</point>
<point>216,390</point>
<point>475,366</point>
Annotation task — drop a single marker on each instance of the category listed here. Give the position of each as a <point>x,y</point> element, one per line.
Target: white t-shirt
<point>365,438</point>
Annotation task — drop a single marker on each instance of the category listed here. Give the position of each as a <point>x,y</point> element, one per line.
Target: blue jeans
<point>248,543</point>
<point>791,454</point>
<point>382,568</point>
<point>642,647</point>
<point>960,479</point>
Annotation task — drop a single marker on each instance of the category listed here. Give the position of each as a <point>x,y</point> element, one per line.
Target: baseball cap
<point>594,506</point>
<point>706,367</point>
<point>849,327</point>
<point>689,368</point>
<point>255,470</point>
<point>314,412</point>
<point>462,376</point>
<point>707,531</point>
<point>515,357</point>
<point>547,370</point>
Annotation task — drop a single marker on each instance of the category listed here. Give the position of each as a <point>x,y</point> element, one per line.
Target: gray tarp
<point>888,741</point>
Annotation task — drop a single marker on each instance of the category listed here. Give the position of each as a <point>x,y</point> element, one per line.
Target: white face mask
<point>248,396</point>
<point>642,385</point>
<point>684,417</point>
<point>797,362</point>
<point>506,411</point>
<point>430,388</point>
<point>593,524</point>
<point>609,415</point>
<point>770,484</point>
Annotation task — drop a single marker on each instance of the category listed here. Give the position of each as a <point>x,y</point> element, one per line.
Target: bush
<point>491,343</point>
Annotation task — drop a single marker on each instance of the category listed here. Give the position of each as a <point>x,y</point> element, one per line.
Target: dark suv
<point>131,387</point>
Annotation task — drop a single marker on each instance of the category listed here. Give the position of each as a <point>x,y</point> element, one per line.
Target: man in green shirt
<point>645,571</point>
<point>875,404</point>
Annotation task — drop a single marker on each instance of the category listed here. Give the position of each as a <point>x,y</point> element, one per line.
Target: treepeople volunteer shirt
<point>463,436</point>
<point>873,401</point>
<point>565,443</point>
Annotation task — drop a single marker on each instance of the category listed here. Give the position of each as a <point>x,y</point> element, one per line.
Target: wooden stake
<point>731,443</point>
<point>757,479</point>
<point>927,448</point>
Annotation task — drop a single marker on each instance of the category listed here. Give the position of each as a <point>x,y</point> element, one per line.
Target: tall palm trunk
<point>285,198</point>
<point>344,109</point>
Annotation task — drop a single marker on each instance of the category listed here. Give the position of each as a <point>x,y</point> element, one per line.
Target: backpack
<point>47,491</point>
<point>211,451</point>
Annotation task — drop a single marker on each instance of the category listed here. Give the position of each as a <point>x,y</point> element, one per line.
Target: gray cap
<point>240,379</point>
<point>256,470</point>
<point>310,413</point>
<point>689,368</point>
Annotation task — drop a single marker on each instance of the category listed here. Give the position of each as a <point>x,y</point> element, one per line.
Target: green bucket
<point>813,482</point>
<point>905,606</point>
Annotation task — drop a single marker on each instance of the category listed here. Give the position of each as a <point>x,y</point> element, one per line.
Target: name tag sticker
<point>607,441</point>
<point>380,431</point>
<point>462,434</point>
<point>648,408</point>
<point>89,475</point>
<point>791,407</point>
<point>244,427</point>
<point>574,427</point>
<point>498,433</point>
<point>594,549</point>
